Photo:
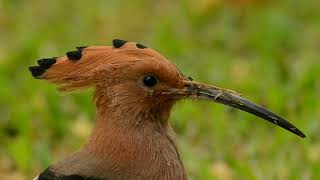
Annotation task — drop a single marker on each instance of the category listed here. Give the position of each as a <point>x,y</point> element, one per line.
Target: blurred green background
<point>268,51</point>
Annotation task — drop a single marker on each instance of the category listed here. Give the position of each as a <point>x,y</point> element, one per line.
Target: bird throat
<point>139,144</point>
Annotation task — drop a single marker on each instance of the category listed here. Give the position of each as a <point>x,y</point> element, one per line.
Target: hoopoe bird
<point>135,89</point>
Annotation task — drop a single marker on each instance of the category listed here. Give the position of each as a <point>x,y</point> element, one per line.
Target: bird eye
<point>149,80</point>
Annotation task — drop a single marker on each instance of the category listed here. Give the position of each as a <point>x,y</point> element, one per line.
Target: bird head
<point>133,78</point>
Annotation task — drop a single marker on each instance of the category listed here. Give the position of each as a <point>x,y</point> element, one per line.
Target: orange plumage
<point>135,90</point>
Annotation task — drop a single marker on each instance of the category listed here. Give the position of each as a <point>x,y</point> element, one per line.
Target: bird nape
<point>135,89</point>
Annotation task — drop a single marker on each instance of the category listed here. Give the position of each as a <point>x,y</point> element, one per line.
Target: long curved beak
<point>195,90</point>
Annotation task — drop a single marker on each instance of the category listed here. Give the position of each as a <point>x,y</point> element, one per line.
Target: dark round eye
<point>149,80</point>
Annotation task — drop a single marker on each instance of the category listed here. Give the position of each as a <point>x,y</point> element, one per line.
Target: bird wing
<point>48,174</point>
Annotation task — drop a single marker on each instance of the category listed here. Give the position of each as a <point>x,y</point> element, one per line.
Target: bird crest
<point>103,65</point>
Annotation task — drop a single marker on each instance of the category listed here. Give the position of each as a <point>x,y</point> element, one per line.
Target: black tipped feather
<point>47,63</point>
<point>117,43</point>
<point>36,71</point>
<point>81,47</point>
<point>74,55</point>
<point>140,46</point>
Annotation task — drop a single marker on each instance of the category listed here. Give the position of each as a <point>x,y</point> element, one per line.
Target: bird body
<point>135,90</point>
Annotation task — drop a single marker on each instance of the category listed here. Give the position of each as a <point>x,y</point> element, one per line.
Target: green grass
<point>269,53</point>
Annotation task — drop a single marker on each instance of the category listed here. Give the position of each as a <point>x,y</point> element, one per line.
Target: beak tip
<point>300,134</point>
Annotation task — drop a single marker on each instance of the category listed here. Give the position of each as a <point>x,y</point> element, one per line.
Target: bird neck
<point>139,143</point>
